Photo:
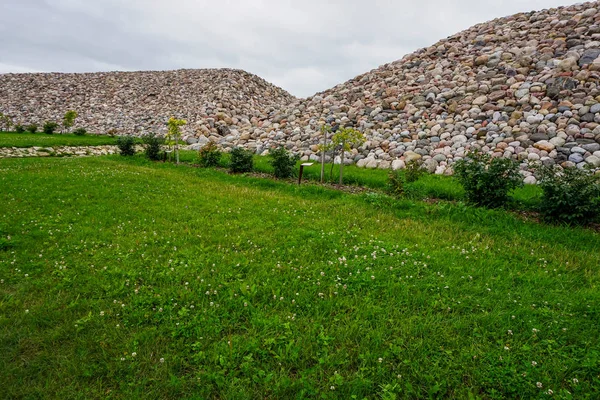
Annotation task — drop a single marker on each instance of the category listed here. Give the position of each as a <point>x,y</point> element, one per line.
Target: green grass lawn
<point>40,139</point>
<point>124,279</point>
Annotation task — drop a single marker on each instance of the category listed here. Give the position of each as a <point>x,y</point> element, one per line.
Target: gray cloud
<point>303,46</point>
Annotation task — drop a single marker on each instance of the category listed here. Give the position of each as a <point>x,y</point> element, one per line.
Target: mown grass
<point>125,279</point>
<point>40,139</point>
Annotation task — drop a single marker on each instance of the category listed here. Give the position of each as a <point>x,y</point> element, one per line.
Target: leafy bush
<point>487,180</point>
<point>32,128</point>
<point>153,146</point>
<point>6,122</point>
<point>414,170</point>
<point>241,160</point>
<point>283,162</point>
<point>19,128</point>
<point>69,119</point>
<point>396,183</point>
<point>126,145</point>
<point>570,195</point>
<point>209,155</point>
<point>79,132</point>
<point>50,127</point>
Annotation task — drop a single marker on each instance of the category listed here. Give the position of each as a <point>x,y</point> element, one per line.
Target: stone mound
<point>525,86</point>
<point>214,101</point>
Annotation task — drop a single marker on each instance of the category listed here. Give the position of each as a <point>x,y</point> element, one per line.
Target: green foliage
<point>346,139</point>
<point>6,122</point>
<point>570,195</point>
<point>209,155</point>
<point>69,119</point>
<point>488,180</point>
<point>79,132</point>
<point>414,170</point>
<point>50,127</point>
<point>153,145</point>
<point>19,128</point>
<point>32,128</point>
<point>241,160</point>
<point>283,162</point>
<point>174,131</point>
<point>126,145</point>
<point>396,183</point>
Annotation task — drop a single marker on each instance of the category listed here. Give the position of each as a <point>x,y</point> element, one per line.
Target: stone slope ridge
<point>212,100</point>
<point>525,86</point>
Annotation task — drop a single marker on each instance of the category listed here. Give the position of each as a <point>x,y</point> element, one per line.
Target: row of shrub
<point>569,195</point>
<point>49,127</point>
<point>241,160</point>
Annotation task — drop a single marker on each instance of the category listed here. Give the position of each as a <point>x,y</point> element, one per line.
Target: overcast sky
<point>304,46</point>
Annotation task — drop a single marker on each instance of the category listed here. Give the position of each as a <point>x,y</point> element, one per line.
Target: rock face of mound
<point>526,87</point>
<point>212,100</point>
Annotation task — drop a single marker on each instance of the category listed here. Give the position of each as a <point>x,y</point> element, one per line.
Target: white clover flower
<point>539,385</point>
<point>162,360</point>
<point>533,364</point>
<point>133,354</point>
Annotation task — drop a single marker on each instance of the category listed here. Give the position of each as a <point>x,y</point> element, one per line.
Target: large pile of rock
<point>214,101</point>
<point>524,87</point>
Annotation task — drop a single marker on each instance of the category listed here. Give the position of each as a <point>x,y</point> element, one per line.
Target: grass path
<point>126,279</point>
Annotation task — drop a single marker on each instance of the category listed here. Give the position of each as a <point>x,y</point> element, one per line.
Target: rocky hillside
<point>525,86</point>
<point>212,100</point>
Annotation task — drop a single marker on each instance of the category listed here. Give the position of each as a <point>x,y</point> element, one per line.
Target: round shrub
<point>283,162</point>
<point>241,160</point>
<point>32,128</point>
<point>209,155</point>
<point>79,132</point>
<point>570,195</point>
<point>153,145</point>
<point>50,127</point>
<point>487,180</point>
<point>19,128</point>
<point>126,145</point>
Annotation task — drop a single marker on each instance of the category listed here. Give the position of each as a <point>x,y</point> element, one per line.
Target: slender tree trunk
<point>342,165</point>
<point>323,157</point>
<point>177,150</point>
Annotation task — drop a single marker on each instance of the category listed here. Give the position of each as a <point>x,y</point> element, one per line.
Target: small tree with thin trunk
<point>6,122</point>
<point>347,139</point>
<point>174,134</point>
<point>69,120</point>
<point>324,147</point>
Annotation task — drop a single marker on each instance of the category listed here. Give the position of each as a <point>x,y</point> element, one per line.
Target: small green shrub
<point>19,128</point>
<point>6,122</point>
<point>209,155</point>
<point>487,180</point>
<point>570,195</point>
<point>153,145</point>
<point>126,145</point>
<point>283,162</point>
<point>241,160</point>
<point>79,132</point>
<point>50,127</point>
<point>396,183</point>
<point>414,170</point>
<point>32,128</point>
